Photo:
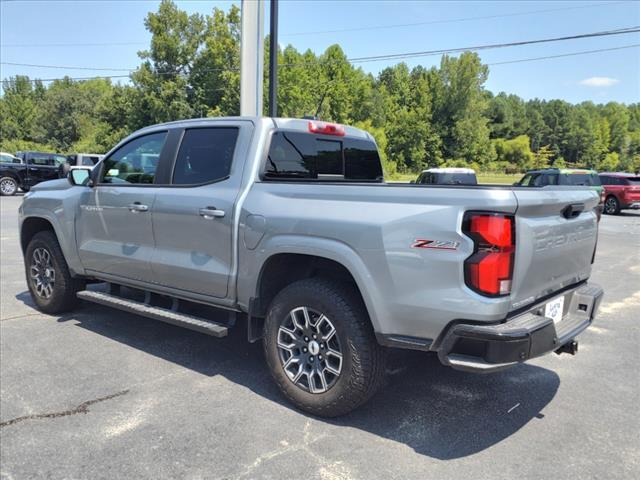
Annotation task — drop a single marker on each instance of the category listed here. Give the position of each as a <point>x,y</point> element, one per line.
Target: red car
<point>621,191</point>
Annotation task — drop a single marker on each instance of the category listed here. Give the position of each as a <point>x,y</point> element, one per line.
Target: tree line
<point>421,117</point>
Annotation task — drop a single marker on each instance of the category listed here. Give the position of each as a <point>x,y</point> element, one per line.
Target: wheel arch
<point>30,227</point>
<point>41,220</point>
<point>291,263</point>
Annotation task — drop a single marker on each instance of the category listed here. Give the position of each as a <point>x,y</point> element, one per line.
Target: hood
<point>58,184</point>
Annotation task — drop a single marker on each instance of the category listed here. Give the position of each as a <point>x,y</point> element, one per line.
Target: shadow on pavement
<point>434,410</point>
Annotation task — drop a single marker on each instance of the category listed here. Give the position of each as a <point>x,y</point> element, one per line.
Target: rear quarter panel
<point>370,229</point>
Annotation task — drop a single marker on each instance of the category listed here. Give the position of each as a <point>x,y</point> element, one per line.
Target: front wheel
<point>321,349</point>
<point>611,205</point>
<point>51,285</point>
<point>8,186</point>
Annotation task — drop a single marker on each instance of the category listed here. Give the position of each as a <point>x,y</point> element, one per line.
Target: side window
<point>40,159</point>
<point>552,179</point>
<point>89,161</point>
<point>526,180</point>
<point>205,155</point>
<point>135,162</point>
<point>58,160</point>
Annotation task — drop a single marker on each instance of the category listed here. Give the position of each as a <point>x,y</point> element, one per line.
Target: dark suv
<point>35,167</point>
<point>621,191</point>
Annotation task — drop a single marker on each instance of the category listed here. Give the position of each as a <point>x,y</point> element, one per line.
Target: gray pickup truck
<point>289,226</point>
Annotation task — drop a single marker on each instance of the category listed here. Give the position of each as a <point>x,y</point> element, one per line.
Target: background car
<point>79,159</point>
<point>447,176</point>
<point>621,191</point>
<point>29,169</point>
<point>9,158</point>
<point>562,176</point>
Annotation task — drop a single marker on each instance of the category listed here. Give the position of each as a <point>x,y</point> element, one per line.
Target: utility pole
<point>273,60</point>
<point>252,57</point>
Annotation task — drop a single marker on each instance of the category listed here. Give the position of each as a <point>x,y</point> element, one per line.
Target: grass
<point>503,178</point>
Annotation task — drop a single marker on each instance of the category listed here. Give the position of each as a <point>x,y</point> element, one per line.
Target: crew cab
<point>32,168</point>
<point>621,191</point>
<point>288,226</point>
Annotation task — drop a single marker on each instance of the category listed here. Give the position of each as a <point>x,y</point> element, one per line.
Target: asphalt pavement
<point>98,393</point>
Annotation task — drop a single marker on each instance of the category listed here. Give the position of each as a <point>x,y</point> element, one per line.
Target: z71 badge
<point>436,244</point>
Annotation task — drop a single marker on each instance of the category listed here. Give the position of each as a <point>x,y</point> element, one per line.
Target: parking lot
<point>103,394</point>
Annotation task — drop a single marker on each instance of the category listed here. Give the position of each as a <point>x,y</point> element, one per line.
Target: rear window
<point>586,179</point>
<point>297,155</point>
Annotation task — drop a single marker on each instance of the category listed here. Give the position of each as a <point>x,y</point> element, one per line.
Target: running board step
<point>157,313</point>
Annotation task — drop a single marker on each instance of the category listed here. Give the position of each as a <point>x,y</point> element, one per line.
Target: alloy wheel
<point>610,205</point>
<point>43,275</point>
<point>8,186</point>
<point>309,350</point>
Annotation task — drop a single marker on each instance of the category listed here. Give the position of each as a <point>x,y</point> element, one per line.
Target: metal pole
<point>252,57</point>
<point>273,60</point>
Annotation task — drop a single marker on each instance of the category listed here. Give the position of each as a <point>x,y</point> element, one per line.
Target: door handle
<point>137,207</point>
<point>211,212</point>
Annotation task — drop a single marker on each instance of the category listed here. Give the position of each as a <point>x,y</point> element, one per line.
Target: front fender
<point>62,220</point>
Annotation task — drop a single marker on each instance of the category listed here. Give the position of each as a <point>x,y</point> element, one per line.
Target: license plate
<point>554,309</point>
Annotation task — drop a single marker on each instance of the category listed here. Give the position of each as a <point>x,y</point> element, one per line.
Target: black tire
<point>8,186</point>
<point>62,295</point>
<point>611,205</point>
<point>363,360</point>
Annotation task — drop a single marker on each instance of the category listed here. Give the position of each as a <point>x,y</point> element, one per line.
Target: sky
<point>74,34</point>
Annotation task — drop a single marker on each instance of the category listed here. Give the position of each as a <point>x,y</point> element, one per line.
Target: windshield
<point>587,179</point>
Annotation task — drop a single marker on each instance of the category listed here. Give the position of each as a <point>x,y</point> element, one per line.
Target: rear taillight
<point>489,270</point>
<point>326,128</point>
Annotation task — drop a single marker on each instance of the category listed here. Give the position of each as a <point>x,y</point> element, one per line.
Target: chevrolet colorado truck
<point>289,226</point>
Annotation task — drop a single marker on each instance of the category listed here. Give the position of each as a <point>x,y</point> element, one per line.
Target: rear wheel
<point>611,205</point>
<point>321,349</point>
<point>8,186</point>
<point>52,287</point>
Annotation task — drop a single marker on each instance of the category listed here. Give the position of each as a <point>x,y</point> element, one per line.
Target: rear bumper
<point>488,348</point>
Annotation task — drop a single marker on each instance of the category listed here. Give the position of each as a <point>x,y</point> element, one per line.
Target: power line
<point>397,56</point>
<point>451,20</point>
<point>570,54</point>
<point>375,58</point>
<point>585,52</point>
<point>354,29</point>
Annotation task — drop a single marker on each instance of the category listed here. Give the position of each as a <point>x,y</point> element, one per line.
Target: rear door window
<point>297,155</point>
<point>584,179</point>
<point>205,155</point>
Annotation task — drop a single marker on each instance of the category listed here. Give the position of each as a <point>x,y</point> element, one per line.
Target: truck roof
<point>562,170</point>
<point>618,174</point>
<point>300,124</point>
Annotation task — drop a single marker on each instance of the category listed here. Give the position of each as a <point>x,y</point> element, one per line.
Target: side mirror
<point>80,176</point>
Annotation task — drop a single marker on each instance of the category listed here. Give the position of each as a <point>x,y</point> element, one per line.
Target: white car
<point>447,176</point>
<point>9,158</point>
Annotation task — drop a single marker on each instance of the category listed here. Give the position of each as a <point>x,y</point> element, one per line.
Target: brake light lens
<point>326,128</point>
<point>489,270</point>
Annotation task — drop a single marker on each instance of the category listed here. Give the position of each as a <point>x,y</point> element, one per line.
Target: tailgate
<point>552,251</point>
